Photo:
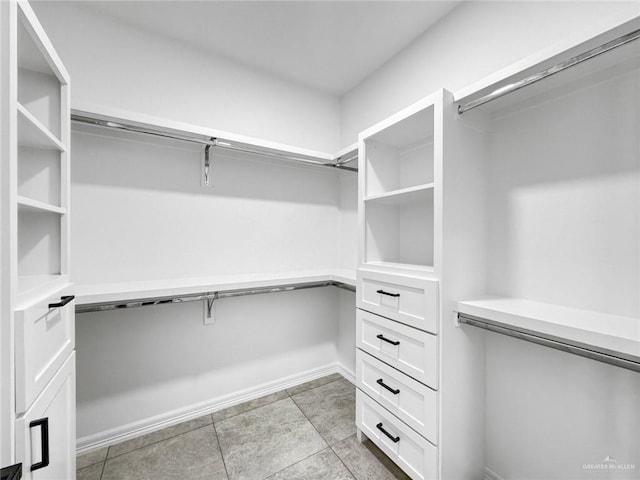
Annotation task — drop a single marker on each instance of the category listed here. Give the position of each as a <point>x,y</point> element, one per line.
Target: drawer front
<point>411,351</point>
<point>415,455</point>
<point>44,339</point>
<point>412,301</point>
<point>409,400</point>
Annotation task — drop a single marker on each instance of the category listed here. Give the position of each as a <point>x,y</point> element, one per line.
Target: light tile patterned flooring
<point>302,433</point>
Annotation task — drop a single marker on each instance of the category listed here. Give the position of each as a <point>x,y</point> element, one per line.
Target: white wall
<point>150,364</point>
<point>139,213</point>
<point>473,41</point>
<point>115,65</point>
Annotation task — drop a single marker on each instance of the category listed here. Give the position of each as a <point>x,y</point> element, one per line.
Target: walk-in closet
<point>313,240</point>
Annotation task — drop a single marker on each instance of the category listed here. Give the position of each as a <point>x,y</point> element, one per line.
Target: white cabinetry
<point>420,378</point>
<point>38,341</point>
<point>397,322</point>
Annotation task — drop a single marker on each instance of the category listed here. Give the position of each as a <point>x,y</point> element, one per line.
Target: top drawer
<point>412,301</point>
<point>45,337</point>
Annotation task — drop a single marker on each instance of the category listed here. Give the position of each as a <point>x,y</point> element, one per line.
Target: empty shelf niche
<point>39,88</point>
<point>400,156</point>
<point>399,229</point>
<point>39,242</point>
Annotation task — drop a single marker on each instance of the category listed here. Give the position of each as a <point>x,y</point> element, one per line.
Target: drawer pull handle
<point>382,384</point>
<point>394,439</point>
<point>43,423</point>
<point>392,342</point>
<point>63,301</point>
<point>382,292</point>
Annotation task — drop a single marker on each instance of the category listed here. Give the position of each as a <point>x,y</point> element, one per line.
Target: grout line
<point>104,464</point>
<point>342,461</point>
<point>313,388</point>
<point>251,409</point>
<point>299,461</point>
<point>215,432</point>
<point>158,441</point>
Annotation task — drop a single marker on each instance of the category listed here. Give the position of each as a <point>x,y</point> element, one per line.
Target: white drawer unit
<point>44,339</point>
<point>409,400</point>
<point>46,433</point>
<point>412,351</point>
<point>410,451</point>
<point>410,300</point>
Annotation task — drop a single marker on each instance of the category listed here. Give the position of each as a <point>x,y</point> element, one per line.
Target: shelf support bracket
<point>206,165</point>
<point>209,317</point>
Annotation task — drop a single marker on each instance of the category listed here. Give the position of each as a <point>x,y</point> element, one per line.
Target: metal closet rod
<point>210,141</point>
<point>550,342</point>
<point>559,67</point>
<point>194,297</point>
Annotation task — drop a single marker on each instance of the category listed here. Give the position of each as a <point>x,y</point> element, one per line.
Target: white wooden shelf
<point>122,291</point>
<point>31,288</point>
<point>31,205</point>
<point>421,271</point>
<point>32,133</point>
<point>403,196</point>
<point>609,334</point>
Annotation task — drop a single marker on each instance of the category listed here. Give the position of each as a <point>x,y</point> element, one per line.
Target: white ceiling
<point>327,45</point>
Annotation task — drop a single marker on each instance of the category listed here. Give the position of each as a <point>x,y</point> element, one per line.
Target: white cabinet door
<point>46,434</point>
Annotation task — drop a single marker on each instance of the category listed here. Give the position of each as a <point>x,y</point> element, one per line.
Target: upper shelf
<point>134,122</point>
<point>598,54</point>
<point>608,334</point>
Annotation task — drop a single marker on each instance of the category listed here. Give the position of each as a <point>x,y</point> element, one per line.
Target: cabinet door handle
<point>394,439</point>
<point>392,342</point>
<point>63,301</point>
<point>382,384</point>
<point>43,423</point>
<point>382,292</point>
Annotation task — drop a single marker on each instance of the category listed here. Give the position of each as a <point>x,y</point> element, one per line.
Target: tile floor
<point>303,433</point>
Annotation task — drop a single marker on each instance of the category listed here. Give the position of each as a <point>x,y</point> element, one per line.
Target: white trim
<point>347,373</point>
<point>158,422</point>
<point>490,474</point>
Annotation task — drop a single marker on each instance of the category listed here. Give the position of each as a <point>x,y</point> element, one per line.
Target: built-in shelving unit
<point>36,249</point>
<point>397,190</point>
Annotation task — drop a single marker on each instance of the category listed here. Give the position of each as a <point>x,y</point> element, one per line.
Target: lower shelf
<point>610,338</point>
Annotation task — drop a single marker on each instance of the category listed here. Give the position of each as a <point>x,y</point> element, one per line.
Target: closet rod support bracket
<point>209,317</point>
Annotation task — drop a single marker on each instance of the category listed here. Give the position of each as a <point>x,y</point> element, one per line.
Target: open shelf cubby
<point>399,229</point>
<point>400,156</point>
<point>39,88</point>
<point>39,242</point>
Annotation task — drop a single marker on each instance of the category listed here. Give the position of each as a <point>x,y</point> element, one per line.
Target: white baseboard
<point>490,475</point>
<point>158,422</point>
<point>347,373</point>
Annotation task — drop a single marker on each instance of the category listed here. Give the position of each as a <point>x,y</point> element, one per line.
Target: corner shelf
<point>32,133</point>
<point>31,205</point>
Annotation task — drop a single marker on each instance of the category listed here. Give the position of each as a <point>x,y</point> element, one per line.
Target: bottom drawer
<point>411,452</point>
